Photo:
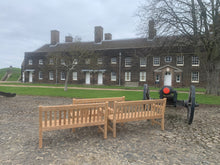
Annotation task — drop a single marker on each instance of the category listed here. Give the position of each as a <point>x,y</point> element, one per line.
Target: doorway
<point>168,79</point>
<point>87,78</point>
<point>100,78</point>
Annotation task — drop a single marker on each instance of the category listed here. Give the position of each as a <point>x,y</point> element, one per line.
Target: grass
<point>103,86</point>
<point>83,93</point>
<point>16,73</point>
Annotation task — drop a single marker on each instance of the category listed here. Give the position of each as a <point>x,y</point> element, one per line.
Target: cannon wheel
<point>191,104</point>
<point>146,94</point>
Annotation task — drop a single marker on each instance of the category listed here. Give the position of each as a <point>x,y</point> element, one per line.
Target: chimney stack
<point>68,39</point>
<point>55,37</point>
<point>98,34</point>
<point>108,36</point>
<point>151,31</point>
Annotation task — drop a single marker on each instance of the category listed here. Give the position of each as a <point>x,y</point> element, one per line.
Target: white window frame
<point>99,61</point>
<point>51,77</point>
<point>195,61</point>
<point>143,61</point>
<point>40,75</point>
<point>113,60</point>
<point>127,76</point>
<point>195,77</point>
<point>87,61</point>
<point>142,76</point>
<point>128,61</point>
<point>51,62</point>
<point>75,76</point>
<point>157,78</point>
<point>62,62</point>
<point>30,62</point>
<point>178,79</point>
<point>62,76</point>
<point>156,61</point>
<point>168,59</point>
<point>113,76</point>
<point>180,60</point>
<point>41,62</point>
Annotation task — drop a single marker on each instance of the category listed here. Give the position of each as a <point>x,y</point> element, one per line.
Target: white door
<point>30,77</point>
<point>87,78</point>
<point>100,78</point>
<point>167,79</point>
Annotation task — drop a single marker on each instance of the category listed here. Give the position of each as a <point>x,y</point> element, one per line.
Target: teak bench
<point>72,116</point>
<point>137,110</point>
<point>110,101</point>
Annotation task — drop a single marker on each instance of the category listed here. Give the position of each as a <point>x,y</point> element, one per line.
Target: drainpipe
<point>56,70</point>
<point>119,77</point>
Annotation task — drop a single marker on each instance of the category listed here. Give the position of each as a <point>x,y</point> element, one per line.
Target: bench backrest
<point>65,115</point>
<point>110,100</point>
<point>139,109</point>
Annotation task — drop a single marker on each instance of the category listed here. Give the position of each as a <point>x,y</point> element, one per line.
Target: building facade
<point>126,62</point>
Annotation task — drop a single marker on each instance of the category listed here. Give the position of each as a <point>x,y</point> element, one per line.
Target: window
<point>75,61</point>
<point>41,62</point>
<point>87,61</point>
<point>30,62</point>
<point>62,61</point>
<point>157,78</point>
<point>74,75</point>
<point>127,76</point>
<point>156,61</point>
<point>195,77</point>
<point>114,60</point>
<point>99,61</point>
<point>168,59</point>
<point>128,62</point>
<point>62,76</point>
<point>113,76</point>
<point>180,60</point>
<point>178,78</point>
<point>143,62</point>
<point>40,74</point>
<point>142,76</point>
<point>51,61</point>
<point>50,75</point>
<point>195,61</point>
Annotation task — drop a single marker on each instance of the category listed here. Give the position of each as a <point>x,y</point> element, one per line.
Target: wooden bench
<point>137,110</point>
<point>72,116</point>
<point>110,101</point>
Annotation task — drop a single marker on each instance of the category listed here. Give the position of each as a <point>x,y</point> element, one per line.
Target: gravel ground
<point>136,142</point>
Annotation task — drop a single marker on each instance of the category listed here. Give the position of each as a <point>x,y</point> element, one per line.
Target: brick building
<point>131,62</point>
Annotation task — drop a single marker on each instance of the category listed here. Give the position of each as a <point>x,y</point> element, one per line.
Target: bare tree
<point>198,21</point>
<point>72,59</point>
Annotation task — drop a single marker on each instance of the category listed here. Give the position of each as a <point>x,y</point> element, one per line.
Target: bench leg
<point>73,130</point>
<point>105,130</point>
<point>114,129</point>
<point>40,139</point>
<point>152,121</point>
<point>162,124</point>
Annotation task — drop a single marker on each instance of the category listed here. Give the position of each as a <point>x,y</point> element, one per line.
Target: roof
<point>105,44</point>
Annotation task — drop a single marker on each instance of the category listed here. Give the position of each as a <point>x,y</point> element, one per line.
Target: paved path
<point>137,143</point>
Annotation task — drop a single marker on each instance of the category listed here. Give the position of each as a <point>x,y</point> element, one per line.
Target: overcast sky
<point>25,25</point>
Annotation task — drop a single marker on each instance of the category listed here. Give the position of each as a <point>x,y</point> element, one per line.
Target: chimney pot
<point>108,36</point>
<point>68,39</point>
<point>151,31</point>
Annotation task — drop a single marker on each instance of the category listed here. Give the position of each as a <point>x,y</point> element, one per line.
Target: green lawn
<point>102,86</point>
<point>83,93</point>
<point>16,73</point>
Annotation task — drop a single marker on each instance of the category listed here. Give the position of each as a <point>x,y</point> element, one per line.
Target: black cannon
<point>7,94</point>
<point>171,95</point>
